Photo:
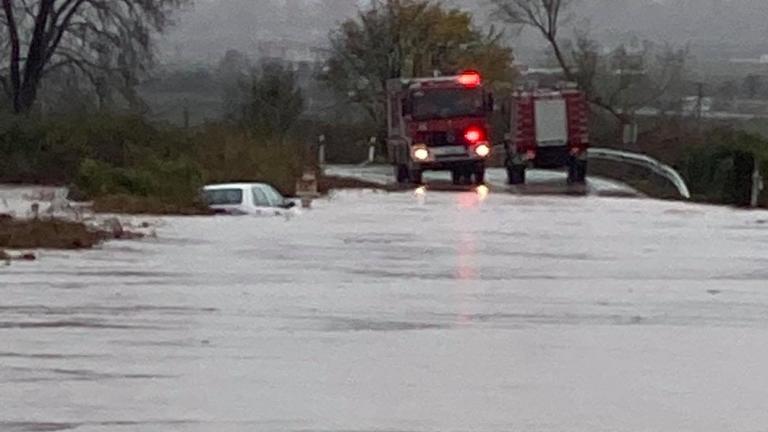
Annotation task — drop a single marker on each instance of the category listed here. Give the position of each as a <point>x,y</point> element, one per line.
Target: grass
<point>137,205</point>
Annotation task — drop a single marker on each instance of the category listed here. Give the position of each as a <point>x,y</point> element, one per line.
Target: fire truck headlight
<point>421,154</point>
<point>483,150</point>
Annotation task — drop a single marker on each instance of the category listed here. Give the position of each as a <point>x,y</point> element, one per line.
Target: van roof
<point>232,186</point>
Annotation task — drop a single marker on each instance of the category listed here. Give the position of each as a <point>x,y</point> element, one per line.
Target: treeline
<point>104,156</point>
<point>84,120</point>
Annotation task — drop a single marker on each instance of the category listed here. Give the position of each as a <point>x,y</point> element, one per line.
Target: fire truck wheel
<point>456,176</point>
<point>479,175</point>
<point>516,174</point>
<point>577,171</point>
<point>416,177</point>
<point>401,174</point>
<point>466,177</point>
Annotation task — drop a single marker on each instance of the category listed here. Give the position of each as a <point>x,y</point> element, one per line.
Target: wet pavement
<point>413,311</point>
<point>539,182</point>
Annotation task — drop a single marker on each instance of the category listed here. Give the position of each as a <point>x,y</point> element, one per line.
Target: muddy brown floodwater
<point>412,311</point>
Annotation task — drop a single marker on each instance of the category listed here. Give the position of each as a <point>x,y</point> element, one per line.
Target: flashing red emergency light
<point>473,135</point>
<point>470,79</point>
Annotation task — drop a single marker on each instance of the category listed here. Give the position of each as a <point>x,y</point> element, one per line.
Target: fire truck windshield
<point>447,103</point>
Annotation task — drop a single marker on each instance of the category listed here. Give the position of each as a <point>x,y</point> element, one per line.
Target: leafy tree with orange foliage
<point>410,38</point>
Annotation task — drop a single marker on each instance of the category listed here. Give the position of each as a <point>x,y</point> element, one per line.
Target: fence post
<point>372,150</point>
<point>321,150</point>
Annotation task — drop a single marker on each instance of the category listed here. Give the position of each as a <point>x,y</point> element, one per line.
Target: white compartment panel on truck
<point>551,122</point>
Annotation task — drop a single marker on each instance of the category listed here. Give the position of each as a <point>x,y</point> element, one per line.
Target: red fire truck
<point>439,123</point>
<point>548,129</point>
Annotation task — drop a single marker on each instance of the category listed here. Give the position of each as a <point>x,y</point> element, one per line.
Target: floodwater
<point>414,311</point>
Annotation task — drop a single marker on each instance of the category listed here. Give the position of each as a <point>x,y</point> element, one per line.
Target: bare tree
<point>546,16</point>
<point>581,66</point>
<point>48,35</point>
<point>629,77</point>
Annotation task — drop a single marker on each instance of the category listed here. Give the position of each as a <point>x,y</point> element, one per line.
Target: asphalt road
<point>539,182</point>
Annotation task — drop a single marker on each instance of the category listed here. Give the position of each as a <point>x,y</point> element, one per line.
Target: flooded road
<point>400,312</point>
<point>539,182</point>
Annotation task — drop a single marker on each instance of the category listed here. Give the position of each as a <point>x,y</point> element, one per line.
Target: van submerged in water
<point>246,199</point>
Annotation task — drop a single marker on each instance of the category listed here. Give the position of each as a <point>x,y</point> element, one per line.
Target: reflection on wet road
<point>540,182</point>
<point>415,311</point>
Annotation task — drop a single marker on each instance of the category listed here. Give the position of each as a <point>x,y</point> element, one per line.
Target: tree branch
<point>15,54</point>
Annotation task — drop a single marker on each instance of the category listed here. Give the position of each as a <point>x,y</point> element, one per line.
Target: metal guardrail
<point>644,161</point>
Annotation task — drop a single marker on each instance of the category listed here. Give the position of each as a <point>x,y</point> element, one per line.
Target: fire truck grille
<point>443,139</point>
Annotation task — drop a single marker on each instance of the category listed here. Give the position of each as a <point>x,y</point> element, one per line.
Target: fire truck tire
<point>577,171</point>
<point>401,174</point>
<point>516,174</point>
<point>466,177</point>
<point>417,177</point>
<point>479,174</point>
<point>456,177</point>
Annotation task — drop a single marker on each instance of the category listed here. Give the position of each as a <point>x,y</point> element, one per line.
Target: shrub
<point>176,180</point>
<point>721,170</point>
<point>107,156</point>
<point>231,155</point>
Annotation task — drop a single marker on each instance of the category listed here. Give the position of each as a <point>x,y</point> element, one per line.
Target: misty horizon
<point>211,27</point>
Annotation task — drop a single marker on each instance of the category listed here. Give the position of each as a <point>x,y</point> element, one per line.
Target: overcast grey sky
<point>212,26</point>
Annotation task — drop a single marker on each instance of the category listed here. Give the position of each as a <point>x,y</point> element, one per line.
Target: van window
<point>274,197</point>
<point>260,199</point>
<point>223,196</point>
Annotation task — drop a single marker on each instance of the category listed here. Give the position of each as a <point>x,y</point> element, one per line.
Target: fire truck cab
<point>548,129</point>
<point>439,123</point>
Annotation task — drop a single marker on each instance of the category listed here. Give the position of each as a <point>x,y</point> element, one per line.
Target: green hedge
<point>176,180</point>
<point>106,155</point>
<point>720,170</point>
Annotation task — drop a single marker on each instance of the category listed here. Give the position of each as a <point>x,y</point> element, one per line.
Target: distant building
<point>691,104</point>
<point>763,60</point>
<point>291,51</point>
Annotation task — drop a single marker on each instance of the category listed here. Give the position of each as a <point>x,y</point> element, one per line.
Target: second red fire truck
<point>548,129</point>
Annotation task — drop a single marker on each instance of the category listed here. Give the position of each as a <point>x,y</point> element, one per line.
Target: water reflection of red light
<point>467,200</point>
<point>467,250</point>
<point>473,199</point>
<point>466,272</point>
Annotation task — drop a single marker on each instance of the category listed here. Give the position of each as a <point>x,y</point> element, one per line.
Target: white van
<point>246,199</point>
